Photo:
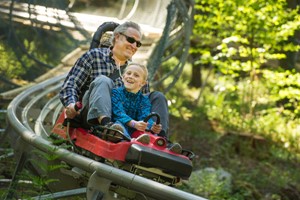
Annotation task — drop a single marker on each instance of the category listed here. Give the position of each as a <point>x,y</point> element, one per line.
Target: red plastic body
<point>106,149</point>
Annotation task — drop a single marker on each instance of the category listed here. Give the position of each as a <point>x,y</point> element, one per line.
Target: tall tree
<point>238,37</point>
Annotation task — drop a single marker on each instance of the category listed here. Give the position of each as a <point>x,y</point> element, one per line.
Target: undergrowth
<point>241,155</point>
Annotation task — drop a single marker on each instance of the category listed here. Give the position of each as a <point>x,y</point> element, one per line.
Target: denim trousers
<point>98,102</point>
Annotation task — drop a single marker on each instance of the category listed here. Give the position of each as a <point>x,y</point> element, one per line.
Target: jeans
<point>98,102</point>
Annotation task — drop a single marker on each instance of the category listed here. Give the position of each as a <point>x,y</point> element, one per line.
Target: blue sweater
<point>127,106</point>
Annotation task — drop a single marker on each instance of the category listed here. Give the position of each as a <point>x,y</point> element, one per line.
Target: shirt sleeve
<point>146,88</point>
<point>118,111</point>
<point>76,79</point>
<point>145,110</point>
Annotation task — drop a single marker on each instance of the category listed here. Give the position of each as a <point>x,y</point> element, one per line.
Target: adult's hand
<point>71,111</point>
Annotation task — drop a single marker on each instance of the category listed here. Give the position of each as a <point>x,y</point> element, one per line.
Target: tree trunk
<point>196,79</point>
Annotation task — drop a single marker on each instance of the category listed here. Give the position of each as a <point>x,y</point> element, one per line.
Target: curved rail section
<point>31,115</point>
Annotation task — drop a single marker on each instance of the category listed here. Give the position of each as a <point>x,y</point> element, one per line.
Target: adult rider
<point>95,68</point>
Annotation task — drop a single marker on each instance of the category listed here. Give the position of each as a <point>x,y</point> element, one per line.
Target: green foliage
<point>5,169</point>
<point>210,183</point>
<point>9,66</point>
<point>24,50</point>
<point>40,182</point>
<point>284,89</point>
<point>44,166</point>
<point>239,38</point>
<point>176,101</point>
<point>247,94</point>
<point>262,117</point>
<point>257,23</point>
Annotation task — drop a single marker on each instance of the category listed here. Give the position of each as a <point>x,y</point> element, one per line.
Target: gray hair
<point>122,28</point>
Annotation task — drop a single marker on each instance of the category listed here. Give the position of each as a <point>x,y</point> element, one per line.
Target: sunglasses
<point>131,40</point>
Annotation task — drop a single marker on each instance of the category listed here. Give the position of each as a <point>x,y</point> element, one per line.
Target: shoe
<point>110,131</point>
<point>100,129</point>
<point>176,148</point>
<point>104,121</point>
<point>118,127</point>
<point>144,138</point>
<point>114,133</point>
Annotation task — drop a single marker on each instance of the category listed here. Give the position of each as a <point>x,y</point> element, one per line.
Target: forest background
<point>236,104</point>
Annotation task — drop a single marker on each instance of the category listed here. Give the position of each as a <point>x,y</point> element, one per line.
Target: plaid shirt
<point>90,65</point>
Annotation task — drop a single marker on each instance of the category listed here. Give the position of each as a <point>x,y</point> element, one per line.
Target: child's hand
<point>140,125</point>
<point>156,128</point>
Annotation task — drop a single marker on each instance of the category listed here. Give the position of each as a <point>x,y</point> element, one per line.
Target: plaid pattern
<point>90,65</point>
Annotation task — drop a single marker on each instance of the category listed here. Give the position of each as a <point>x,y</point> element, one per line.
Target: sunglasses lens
<point>138,44</point>
<point>131,40</point>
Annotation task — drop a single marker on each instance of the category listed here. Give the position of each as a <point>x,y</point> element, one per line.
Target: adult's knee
<point>157,96</point>
<point>159,103</point>
<point>160,106</point>
<point>103,81</point>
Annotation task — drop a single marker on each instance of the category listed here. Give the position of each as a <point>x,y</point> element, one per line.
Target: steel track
<point>31,115</point>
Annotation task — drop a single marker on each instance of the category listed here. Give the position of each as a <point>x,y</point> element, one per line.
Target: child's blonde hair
<point>143,67</point>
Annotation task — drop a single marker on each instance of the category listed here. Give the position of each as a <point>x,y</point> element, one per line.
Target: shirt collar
<point>111,57</point>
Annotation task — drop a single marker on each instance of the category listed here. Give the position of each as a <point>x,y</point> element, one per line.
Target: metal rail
<point>32,114</point>
<point>98,170</point>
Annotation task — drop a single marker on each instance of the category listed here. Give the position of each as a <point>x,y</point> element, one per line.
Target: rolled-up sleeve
<point>75,80</point>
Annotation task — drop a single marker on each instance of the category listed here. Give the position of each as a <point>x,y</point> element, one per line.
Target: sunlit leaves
<point>245,41</point>
<point>255,30</point>
<point>9,67</point>
<point>284,89</point>
<point>27,52</point>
